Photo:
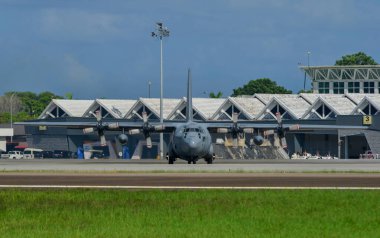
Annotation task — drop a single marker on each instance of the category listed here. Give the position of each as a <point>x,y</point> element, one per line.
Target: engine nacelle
<point>123,139</point>
<point>258,140</point>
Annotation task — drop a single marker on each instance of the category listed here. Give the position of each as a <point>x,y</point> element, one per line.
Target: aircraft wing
<point>296,125</point>
<point>59,123</point>
<point>81,123</point>
<point>169,126</point>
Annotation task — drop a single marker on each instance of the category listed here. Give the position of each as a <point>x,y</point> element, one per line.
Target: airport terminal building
<point>342,96</point>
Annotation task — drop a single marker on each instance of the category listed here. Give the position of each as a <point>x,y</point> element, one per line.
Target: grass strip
<point>198,213</point>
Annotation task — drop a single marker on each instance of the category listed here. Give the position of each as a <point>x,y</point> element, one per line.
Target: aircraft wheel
<point>170,159</point>
<point>209,161</point>
<point>189,161</point>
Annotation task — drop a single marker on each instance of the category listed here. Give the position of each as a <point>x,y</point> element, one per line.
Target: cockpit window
<point>191,130</point>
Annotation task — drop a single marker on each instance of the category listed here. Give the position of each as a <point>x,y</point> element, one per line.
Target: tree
<point>9,100</point>
<point>359,58</point>
<point>305,91</point>
<point>69,96</point>
<point>262,85</point>
<point>218,95</point>
<point>25,105</point>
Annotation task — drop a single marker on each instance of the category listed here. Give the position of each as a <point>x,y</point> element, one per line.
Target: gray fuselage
<point>191,141</point>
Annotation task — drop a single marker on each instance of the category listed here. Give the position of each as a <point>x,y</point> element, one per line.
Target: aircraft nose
<point>194,145</point>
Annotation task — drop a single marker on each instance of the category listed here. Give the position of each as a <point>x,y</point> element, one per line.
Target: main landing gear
<point>170,159</point>
<point>191,161</point>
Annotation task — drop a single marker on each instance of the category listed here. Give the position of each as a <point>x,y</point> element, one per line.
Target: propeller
<point>235,130</point>
<point>146,130</point>
<point>100,128</point>
<point>281,130</point>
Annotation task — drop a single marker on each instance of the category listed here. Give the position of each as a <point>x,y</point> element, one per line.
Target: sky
<point>104,49</point>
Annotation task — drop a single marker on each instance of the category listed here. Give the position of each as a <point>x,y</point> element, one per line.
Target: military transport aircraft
<point>190,140</point>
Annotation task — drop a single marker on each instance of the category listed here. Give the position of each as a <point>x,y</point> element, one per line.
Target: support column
<point>346,147</point>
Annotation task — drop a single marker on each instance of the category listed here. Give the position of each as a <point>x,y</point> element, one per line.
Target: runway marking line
<point>188,187</point>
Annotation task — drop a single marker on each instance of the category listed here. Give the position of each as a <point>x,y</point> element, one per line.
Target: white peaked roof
<point>293,104</point>
<point>338,103</point>
<point>309,97</point>
<point>373,100</point>
<point>356,97</point>
<point>204,107</point>
<point>265,98</point>
<point>207,106</point>
<point>342,105</point>
<point>71,108</point>
<point>118,108</point>
<point>251,106</point>
<point>153,104</point>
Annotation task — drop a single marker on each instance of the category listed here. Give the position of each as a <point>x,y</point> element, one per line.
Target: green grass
<point>198,213</point>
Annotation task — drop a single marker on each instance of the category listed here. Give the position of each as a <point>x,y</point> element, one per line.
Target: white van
<point>31,153</point>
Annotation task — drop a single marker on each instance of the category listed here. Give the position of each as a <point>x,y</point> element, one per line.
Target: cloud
<point>80,25</point>
<point>75,72</point>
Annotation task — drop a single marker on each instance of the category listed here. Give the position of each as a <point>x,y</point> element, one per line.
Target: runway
<point>117,165</point>
<point>144,174</point>
<point>195,180</point>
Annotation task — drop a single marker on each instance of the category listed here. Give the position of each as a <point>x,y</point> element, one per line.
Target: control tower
<point>344,79</point>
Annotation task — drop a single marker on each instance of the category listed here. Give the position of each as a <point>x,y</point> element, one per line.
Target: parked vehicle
<point>61,154</point>
<point>47,154</point>
<point>12,155</point>
<point>31,153</point>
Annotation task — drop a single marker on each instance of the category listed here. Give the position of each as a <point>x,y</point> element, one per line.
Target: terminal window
<point>369,87</point>
<point>353,87</point>
<point>338,87</point>
<point>323,87</point>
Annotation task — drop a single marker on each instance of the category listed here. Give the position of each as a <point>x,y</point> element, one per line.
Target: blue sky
<point>103,49</point>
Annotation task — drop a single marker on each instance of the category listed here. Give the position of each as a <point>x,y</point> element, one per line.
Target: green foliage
<point>32,105</point>
<point>69,96</point>
<point>305,91</point>
<point>262,85</point>
<point>198,213</point>
<point>359,58</point>
<point>218,95</point>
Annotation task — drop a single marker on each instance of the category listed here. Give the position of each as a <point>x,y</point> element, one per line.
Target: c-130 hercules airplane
<point>190,140</point>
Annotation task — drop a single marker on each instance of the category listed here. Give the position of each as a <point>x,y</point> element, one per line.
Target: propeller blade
<point>278,117</point>
<point>283,142</point>
<point>235,142</point>
<point>294,127</point>
<point>248,130</point>
<point>148,142</point>
<point>159,128</point>
<point>134,131</point>
<point>234,117</point>
<point>145,117</point>
<point>268,132</point>
<point>222,130</point>
<point>88,130</point>
<point>103,140</point>
<point>98,115</point>
<point>113,125</point>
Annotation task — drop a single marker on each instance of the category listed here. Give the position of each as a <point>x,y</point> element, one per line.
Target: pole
<point>308,65</point>
<point>161,33</point>
<point>161,110</point>
<point>149,83</point>
<point>11,102</point>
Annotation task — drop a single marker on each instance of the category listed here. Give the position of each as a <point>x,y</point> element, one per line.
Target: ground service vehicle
<point>12,155</point>
<point>31,153</point>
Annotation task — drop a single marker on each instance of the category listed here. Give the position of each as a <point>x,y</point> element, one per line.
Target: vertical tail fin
<point>189,106</point>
